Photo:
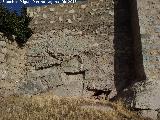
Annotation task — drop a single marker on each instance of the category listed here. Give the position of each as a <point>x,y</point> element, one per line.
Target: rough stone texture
<point>75,54</point>
<point>2,57</point>
<point>92,47</point>
<point>144,95</point>
<point>71,51</point>
<point>149,21</point>
<point>12,66</point>
<point>149,114</point>
<point>148,12</point>
<point>147,95</point>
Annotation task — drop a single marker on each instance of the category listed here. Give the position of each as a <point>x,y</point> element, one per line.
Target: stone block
<point>146,95</point>
<point>73,86</point>
<point>149,114</point>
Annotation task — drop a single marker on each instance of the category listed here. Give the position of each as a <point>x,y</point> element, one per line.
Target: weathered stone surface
<point>72,85</point>
<point>3,71</point>
<point>70,57</point>
<point>84,53</point>
<point>146,95</point>
<point>83,58</point>
<point>2,58</point>
<point>149,114</point>
<point>148,12</point>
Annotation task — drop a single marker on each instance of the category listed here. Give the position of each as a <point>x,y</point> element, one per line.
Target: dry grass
<point>49,107</point>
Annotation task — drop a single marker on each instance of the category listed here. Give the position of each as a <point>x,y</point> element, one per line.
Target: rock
<point>72,85</point>
<point>157,29</point>
<point>71,11</point>
<point>83,6</point>
<point>149,114</point>
<point>44,16</point>
<point>51,9</point>
<point>2,58</point>
<point>73,65</point>
<point>147,95</point>
<point>143,96</point>
<point>67,57</point>
<point>31,87</point>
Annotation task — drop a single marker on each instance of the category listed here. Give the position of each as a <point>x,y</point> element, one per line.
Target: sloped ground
<point>49,107</point>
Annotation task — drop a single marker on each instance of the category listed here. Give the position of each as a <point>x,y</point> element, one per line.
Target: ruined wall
<point>12,65</point>
<point>149,20</point>
<point>70,53</point>
<point>145,15</point>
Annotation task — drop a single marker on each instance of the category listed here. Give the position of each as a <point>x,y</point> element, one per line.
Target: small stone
<point>38,9</point>
<point>79,32</point>
<point>44,16</point>
<point>31,14</point>
<point>4,50</point>
<point>94,10</point>
<point>71,11</point>
<point>149,114</point>
<point>69,21</point>
<point>111,13</point>
<point>83,6</point>
<point>2,58</point>
<point>91,13</point>
<point>145,36</point>
<point>2,43</point>
<point>74,17</point>
<point>157,29</point>
<point>51,22</point>
<point>51,9</point>
<point>143,30</point>
<point>62,5</point>
<point>60,19</point>
<point>36,22</point>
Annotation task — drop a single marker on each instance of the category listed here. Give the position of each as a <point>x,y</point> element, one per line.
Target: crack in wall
<point>48,66</point>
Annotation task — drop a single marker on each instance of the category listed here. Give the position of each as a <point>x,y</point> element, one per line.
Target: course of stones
<point>91,48</point>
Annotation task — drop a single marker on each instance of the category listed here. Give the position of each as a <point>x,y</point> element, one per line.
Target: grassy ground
<point>49,107</point>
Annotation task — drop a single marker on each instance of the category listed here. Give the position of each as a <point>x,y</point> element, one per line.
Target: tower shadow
<point>128,57</point>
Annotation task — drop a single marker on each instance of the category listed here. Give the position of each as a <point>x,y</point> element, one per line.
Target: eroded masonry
<point>71,51</point>
<point>88,48</point>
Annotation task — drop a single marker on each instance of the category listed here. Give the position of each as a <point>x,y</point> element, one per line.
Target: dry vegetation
<point>49,107</point>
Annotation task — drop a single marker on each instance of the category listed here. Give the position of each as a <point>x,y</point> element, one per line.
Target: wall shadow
<point>128,57</point>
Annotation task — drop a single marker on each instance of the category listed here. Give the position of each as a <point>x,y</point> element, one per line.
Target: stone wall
<point>149,20</point>
<point>70,53</point>
<point>88,48</point>
<point>145,15</point>
<point>12,65</point>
